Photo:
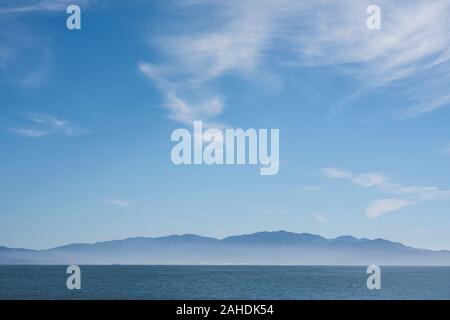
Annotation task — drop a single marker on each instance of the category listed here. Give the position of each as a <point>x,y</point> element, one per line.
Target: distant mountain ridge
<point>261,248</point>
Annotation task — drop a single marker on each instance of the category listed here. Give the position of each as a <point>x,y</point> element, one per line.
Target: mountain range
<point>261,248</point>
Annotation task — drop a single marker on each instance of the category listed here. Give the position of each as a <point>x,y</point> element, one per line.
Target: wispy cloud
<point>446,149</point>
<point>30,133</point>
<point>413,46</point>
<point>235,45</point>
<point>383,206</point>
<point>410,194</point>
<point>320,217</point>
<point>243,37</point>
<point>24,54</point>
<point>25,48</point>
<point>40,125</point>
<point>205,107</point>
<point>336,173</point>
<point>115,202</point>
<point>198,57</point>
<point>26,6</point>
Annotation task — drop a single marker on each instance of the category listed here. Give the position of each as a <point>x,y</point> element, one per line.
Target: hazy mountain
<point>275,248</point>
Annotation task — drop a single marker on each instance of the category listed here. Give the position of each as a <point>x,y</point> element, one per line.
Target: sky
<point>86,118</point>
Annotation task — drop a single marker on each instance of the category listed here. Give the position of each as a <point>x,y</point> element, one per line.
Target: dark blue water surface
<point>223,282</point>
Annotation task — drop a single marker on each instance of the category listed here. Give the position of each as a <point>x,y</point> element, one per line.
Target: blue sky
<point>86,117</point>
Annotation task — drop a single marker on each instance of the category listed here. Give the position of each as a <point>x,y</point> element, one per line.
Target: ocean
<point>223,282</point>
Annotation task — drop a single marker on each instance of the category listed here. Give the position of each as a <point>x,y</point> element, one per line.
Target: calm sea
<point>223,282</point>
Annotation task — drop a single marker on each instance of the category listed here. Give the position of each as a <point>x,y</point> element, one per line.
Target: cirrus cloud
<point>251,38</point>
<point>410,194</point>
<point>41,125</point>
<point>379,207</point>
<point>115,202</point>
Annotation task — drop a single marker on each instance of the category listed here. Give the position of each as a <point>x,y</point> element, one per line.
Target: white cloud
<point>30,133</point>
<point>235,45</point>
<point>365,180</point>
<point>40,125</point>
<point>196,58</point>
<point>205,108</point>
<point>319,217</point>
<point>370,180</point>
<point>427,103</point>
<point>26,49</point>
<point>24,55</point>
<point>446,149</point>
<point>115,202</point>
<point>28,6</point>
<point>413,45</point>
<point>382,182</point>
<point>242,37</point>
<point>336,173</point>
<point>383,206</point>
